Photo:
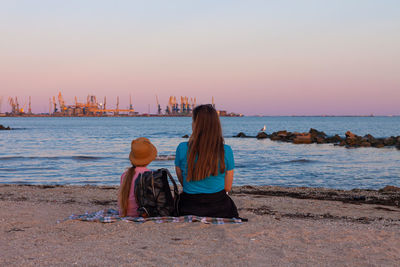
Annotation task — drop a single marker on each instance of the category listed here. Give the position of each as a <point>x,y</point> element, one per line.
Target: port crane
<point>171,106</point>
<point>61,102</point>
<point>22,110</point>
<point>130,102</point>
<point>13,101</point>
<point>17,105</point>
<point>183,108</point>
<point>13,105</point>
<point>54,105</point>
<point>30,106</point>
<point>158,106</point>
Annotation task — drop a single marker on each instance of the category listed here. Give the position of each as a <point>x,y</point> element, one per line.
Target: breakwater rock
<point>4,128</point>
<point>350,140</point>
<point>353,140</point>
<point>261,135</point>
<point>241,134</point>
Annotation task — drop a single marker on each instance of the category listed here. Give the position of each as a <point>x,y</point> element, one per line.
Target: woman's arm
<point>179,174</point>
<point>228,180</point>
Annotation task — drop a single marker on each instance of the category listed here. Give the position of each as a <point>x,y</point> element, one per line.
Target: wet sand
<point>287,227</point>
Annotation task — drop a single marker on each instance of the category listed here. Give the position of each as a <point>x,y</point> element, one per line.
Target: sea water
<point>50,150</point>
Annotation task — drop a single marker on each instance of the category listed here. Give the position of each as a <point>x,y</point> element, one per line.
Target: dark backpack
<point>153,194</point>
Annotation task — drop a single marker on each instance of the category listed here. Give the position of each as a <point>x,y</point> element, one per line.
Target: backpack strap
<point>176,192</point>
<point>172,180</point>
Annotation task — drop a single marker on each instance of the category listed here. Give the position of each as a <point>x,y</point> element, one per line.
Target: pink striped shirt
<point>132,205</point>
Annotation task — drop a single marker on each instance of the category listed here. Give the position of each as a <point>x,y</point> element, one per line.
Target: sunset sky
<point>270,57</point>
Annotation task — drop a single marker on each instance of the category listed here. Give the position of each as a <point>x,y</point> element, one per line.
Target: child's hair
<point>206,145</point>
<point>125,189</point>
<point>142,153</point>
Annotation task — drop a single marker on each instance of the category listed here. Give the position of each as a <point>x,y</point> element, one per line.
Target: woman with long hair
<point>204,167</point>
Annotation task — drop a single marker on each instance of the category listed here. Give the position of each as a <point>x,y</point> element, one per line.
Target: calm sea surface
<point>95,150</point>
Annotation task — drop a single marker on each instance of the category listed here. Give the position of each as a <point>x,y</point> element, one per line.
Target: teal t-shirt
<point>210,184</point>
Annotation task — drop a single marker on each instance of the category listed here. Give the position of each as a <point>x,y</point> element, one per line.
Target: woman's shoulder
<point>181,150</point>
<point>227,148</point>
<point>183,145</point>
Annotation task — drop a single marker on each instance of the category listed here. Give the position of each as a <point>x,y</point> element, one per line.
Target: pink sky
<point>261,59</point>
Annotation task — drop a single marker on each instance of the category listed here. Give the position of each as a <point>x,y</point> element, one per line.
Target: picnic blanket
<point>112,215</point>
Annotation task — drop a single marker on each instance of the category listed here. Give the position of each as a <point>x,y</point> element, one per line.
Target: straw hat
<point>142,152</point>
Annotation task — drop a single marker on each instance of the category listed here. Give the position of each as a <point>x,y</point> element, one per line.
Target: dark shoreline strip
<point>355,196</point>
<point>265,210</point>
<point>388,196</point>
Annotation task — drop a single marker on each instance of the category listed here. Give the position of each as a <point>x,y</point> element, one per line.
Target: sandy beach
<point>287,227</point>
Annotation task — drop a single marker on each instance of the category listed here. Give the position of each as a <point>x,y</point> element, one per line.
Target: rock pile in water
<point>313,136</point>
<point>241,134</point>
<point>262,135</point>
<point>4,128</point>
<point>351,140</point>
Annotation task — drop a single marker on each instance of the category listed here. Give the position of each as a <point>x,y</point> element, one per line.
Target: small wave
<point>165,157</point>
<point>21,182</point>
<point>25,169</point>
<point>88,182</point>
<point>15,129</point>
<point>86,158</point>
<point>83,158</point>
<point>11,158</point>
<point>300,161</point>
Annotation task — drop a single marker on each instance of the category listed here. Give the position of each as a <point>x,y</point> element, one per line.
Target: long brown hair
<point>206,145</point>
<point>124,190</point>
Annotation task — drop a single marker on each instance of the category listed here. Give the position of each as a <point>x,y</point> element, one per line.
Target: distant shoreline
<point>2,115</point>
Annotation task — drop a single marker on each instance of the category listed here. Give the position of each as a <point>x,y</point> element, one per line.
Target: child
<point>143,152</point>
